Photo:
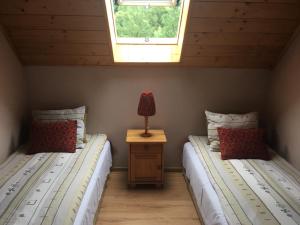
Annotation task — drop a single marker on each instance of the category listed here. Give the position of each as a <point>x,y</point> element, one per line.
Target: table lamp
<point>146,108</point>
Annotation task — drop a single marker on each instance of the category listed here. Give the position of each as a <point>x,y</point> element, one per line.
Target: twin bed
<point>65,189</point>
<point>55,188</point>
<point>241,191</point>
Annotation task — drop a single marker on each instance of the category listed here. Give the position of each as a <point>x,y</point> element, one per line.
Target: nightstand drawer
<point>146,148</point>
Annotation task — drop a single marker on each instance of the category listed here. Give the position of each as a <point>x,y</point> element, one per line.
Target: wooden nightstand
<point>145,157</point>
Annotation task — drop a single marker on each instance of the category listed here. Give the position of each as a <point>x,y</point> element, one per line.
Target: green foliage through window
<point>146,22</point>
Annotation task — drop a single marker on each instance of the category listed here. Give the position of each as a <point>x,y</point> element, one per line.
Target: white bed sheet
<point>205,195</point>
<point>92,196</point>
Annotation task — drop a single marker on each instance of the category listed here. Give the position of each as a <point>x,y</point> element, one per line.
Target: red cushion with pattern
<point>53,136</point>
<point>242,144</point>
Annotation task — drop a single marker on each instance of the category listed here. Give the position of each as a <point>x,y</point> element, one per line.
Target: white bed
<point>90,201</point>
<point>55,188</point>
<point>241,191</point>
<point>204,193</point>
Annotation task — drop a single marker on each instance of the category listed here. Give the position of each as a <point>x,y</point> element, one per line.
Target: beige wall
<point>182,95</point>
<point>11,98</point>
<point>285,103</point>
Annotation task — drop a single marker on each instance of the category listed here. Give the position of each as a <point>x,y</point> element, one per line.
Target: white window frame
<point>154,50</point>
<point>148,3</point>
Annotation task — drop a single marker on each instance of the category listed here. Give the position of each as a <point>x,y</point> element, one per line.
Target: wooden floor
<point>147,206</point>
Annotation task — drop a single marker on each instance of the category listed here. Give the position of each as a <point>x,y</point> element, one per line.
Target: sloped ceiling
<point>220,33</point>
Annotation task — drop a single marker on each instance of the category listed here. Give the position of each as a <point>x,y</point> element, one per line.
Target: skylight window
<point>149,24</point>
<point>147,31</point>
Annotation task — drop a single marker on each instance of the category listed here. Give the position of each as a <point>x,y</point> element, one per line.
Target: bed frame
<point>190,189</point>
<point>101,200</point>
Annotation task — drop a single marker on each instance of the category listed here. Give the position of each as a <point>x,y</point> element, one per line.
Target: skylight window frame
<point>150,41</point>
<point>136,50</point>
<point>147,3</point>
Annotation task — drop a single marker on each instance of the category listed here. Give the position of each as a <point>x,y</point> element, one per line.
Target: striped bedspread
<point>252,191</point>
<point>47,188</point>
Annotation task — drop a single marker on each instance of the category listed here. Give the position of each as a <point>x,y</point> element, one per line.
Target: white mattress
<point>92,196</point>
<point>205,195</point>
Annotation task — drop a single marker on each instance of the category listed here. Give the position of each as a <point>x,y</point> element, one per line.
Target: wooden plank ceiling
<point>220,33</point>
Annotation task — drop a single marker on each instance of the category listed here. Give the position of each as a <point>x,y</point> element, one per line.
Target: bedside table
<point>145,157</point>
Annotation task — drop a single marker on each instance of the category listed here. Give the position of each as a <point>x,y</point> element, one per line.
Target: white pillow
<point>215,120</point>
<point>77,114</point>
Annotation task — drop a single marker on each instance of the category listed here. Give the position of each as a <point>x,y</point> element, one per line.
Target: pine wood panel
<point>86,49</point>
<point>220,33</point>
<point>38,59</point>
<point>230,61</point>
<point>53,7</point>
<point>171,205</point>
<point>44,22</point>
<point>230,50</point>
<point>238,61</point>
<point>256,1</point>
<point>255,39</point>
<point>245,10</point>
<point>54,36</point>
<point>242,25</point>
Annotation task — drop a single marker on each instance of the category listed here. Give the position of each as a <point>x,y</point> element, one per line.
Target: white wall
<point>285,103</point>
<point>182,95</point>
<point>12,98</point>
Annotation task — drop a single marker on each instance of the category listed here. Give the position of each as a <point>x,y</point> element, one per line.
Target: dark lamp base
<point>146,135</point>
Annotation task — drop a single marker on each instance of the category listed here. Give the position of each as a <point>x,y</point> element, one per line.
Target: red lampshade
<point>146,104</point>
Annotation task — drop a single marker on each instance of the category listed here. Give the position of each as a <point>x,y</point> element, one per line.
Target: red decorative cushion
<point>53,136</point>
<point>242,144</point>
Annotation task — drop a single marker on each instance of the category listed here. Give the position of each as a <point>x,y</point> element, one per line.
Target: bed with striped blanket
<point>49,188</point>
<point>252,191</point>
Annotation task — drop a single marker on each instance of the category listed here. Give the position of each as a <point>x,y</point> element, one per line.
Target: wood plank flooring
<point>147,205</point>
